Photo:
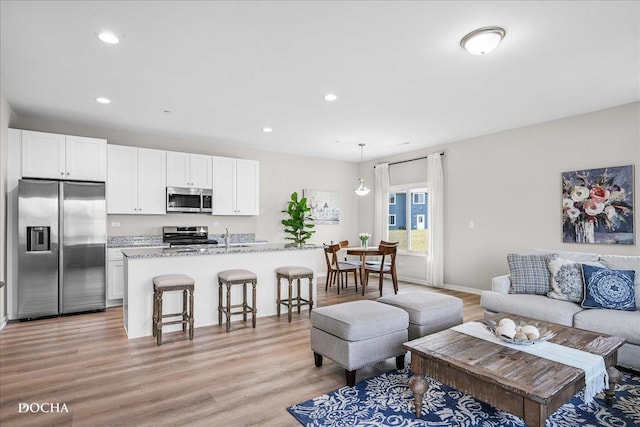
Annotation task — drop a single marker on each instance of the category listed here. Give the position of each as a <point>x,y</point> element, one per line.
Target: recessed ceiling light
<point>482,40</point>
<point>102,100</point>
<point>108,37</point>
<point>330,97</point>
<point>267,130</point>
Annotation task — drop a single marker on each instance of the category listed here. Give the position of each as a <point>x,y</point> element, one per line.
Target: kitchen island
<point>203,264</point>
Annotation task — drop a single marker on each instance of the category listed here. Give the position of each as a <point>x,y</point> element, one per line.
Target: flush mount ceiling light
<point>103,100</point>
<point>330,97</point>
<point>362,189</point>
<point>108,37</point>
<point>482,40</point>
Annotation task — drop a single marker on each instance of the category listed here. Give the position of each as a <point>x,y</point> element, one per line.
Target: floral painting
<point>325,206</point>
<point>597,206</point>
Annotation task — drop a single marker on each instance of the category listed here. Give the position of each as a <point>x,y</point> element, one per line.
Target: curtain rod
<point>412,160</point>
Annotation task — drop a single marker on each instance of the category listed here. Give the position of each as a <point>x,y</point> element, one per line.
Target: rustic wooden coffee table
<point>520,383</point>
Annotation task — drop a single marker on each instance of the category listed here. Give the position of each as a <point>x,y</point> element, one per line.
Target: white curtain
<point>435,258</point>
<point>381,203</point>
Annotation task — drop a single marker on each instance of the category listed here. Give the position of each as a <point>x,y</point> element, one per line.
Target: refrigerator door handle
<point>61,248</point>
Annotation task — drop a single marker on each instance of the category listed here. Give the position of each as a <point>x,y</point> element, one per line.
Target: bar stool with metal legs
<point>292,273</point>
<point>172,282</point>
<point>237,277</point>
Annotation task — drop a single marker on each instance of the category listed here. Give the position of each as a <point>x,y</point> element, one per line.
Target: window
<point>418,198</point>
<point>408,217</point>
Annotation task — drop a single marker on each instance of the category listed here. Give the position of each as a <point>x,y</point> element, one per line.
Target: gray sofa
<point>625,324</point>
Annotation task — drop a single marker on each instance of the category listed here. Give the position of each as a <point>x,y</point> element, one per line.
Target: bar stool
<point>294,273</point>
<point>237,277</point>
<point>172,282</point>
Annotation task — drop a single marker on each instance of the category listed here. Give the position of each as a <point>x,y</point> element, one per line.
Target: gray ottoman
<point>429,312</point>
<point>356,334</point>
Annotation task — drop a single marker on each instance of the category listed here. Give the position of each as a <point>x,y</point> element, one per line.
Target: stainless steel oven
<point>195,200</point>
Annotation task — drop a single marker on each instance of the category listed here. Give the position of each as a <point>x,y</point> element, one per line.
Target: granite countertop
<point>133,253</point>
<point>135,241</point>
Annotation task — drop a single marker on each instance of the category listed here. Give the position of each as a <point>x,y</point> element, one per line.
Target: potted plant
<point>299,221</point>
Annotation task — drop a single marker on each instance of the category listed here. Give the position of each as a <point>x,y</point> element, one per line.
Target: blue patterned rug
<point>385,400</point>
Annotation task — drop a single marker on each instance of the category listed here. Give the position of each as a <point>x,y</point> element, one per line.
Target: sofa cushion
<point>529,273</point>
<point>573,256</point>
<point>605,288</point>
<point>625,324</point>
<point>359,320</point>
<point>534,306</point>
<point>622,262</point>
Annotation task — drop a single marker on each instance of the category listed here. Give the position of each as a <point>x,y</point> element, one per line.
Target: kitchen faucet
<point>226,239</point>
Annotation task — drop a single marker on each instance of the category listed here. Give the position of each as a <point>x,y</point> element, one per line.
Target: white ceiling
<point>225,70</point>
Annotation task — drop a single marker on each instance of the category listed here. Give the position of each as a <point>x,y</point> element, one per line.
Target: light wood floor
<point>246,377</point>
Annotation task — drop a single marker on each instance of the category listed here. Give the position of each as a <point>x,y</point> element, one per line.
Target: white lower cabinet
<point>115,277</point>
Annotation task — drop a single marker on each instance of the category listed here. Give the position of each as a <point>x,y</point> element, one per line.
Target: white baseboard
<point>4,322</point>
<point>445,286</point>
<point>425,283</point>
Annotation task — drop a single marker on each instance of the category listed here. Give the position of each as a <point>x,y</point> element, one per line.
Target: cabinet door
<point>115,280</point>
<point>43,155</point>
<point>200,168</point>
<point>178,169</point>
<point>86,159</point>
<point>224,171</point>
<point>122,179</point>
<point>247,187</point>
<point>152,185</point>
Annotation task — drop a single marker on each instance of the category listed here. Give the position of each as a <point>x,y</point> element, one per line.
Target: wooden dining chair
<point>345,244</point>
<point>387,265</point>
<point>337,271</point>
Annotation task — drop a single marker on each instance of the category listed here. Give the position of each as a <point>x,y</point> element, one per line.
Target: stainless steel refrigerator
<point>62,233</point>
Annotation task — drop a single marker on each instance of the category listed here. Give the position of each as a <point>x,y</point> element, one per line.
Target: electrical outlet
<point>215,224</point>
<point>472,224</point>
<point>115,224</point>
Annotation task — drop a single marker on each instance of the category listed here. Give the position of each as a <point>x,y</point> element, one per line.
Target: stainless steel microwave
<point>195,200</point>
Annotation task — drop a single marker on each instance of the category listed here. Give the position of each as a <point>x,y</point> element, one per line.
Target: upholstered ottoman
<point>359,333</point>
<point>428,312</point>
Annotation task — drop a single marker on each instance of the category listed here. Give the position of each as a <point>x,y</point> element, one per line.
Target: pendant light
<point>361,190</point>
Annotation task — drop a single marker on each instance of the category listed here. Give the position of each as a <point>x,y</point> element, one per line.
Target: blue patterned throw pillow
<point>529,273</point>
<point>604,288</point>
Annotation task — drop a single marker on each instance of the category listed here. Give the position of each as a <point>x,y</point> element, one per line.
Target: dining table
<point>363,253</point>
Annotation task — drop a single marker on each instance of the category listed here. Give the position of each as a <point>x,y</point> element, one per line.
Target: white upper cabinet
<point>152,181</point>
<point>136,180</point>
<point>188,170</point>
<point>235,186</point>
<point>54,156</point>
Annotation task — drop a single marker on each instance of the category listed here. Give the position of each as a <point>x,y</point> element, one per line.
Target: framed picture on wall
<point>325,206</point>
<point>597,206</point>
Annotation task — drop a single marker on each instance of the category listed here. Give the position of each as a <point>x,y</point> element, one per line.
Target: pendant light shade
<point>362,189</point>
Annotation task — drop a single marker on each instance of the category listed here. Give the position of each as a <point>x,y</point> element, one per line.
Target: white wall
<point>5,116</point>
<point>509,184</point>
